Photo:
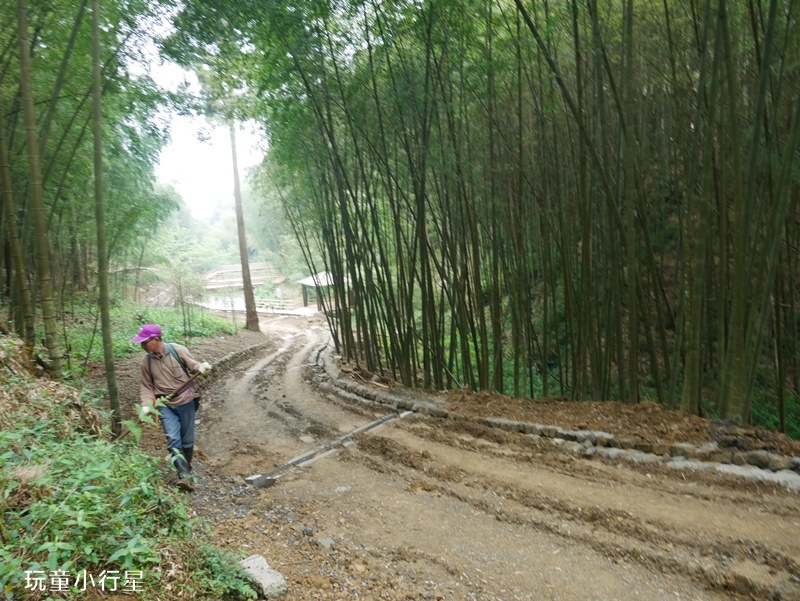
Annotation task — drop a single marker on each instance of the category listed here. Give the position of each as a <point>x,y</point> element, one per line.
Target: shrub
<point>77,505</point>
<point>81,337</point>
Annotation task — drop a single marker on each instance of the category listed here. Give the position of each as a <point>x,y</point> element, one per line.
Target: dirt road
<point>426,508</point>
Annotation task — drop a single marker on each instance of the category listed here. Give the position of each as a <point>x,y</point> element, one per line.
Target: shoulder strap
<point>172,350</point>
<point>177,358</point>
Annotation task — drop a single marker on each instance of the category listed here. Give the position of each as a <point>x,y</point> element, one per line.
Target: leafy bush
<point>76,505</point>
<point>82,338</point>
<point>217,573</point>
<point>176,327</point>
<point>765,413</point>
<point>79,504</point>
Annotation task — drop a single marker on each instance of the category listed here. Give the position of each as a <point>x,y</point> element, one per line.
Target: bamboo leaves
<point>528,197</point>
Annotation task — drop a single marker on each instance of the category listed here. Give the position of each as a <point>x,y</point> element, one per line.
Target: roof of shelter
<point>319,280</point>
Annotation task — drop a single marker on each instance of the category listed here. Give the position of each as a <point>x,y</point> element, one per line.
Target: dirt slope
<point>430,508</point>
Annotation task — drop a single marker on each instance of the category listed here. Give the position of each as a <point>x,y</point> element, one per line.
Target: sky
<point>202,170</point>
<point>198,161</point>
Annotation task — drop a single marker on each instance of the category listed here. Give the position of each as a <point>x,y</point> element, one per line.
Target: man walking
<point>165,377</point>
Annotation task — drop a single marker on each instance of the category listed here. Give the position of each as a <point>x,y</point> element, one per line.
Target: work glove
<point>147,408</point>
<point>204,368</point>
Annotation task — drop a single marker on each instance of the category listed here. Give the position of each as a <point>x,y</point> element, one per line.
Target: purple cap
<point>146,332</point>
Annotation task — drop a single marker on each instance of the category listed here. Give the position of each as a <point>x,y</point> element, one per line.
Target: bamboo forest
<point>590,199</point>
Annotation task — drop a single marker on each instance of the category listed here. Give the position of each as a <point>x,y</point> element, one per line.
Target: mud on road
<point>426,508</point>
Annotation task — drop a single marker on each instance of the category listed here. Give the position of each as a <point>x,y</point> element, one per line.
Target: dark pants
<point>178,425</point>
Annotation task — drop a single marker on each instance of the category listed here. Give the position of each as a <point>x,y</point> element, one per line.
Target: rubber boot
<point>182,466</point>
<point>188,452</point>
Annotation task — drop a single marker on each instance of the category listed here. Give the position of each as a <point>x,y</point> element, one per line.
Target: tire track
<point>719,562</point>
<point>434,509</point>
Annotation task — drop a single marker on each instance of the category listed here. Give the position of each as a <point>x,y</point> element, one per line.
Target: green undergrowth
<point>82,513</point>
<point>81,335</point>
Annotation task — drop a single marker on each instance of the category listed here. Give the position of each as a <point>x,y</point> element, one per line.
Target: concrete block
<point>261,481</point>
<point>269,582</point>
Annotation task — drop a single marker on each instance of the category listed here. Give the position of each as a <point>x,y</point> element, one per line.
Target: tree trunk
<point>17,261</point>
<point>251,317</point>
<point>42,238</point>
<point>734,401</point>
<point>100,217</point>
<point>630,212</point>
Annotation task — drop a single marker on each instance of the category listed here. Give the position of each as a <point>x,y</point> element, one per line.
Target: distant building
<point>316,283</point>
<point>224,285</point>
<point>230,276</point>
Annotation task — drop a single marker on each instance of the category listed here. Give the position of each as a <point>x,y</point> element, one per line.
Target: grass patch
<point>81,337</point>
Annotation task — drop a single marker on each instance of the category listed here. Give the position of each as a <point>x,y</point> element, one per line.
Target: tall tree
<point>251,317</point>
<point>42,238</point>
<point>12,235</point>
<point>100,218</point>
<point>632,259</point>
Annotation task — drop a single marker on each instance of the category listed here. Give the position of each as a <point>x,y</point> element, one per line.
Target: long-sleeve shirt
<point>161,375</point>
